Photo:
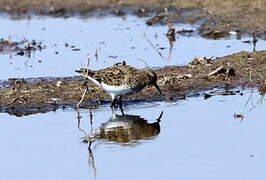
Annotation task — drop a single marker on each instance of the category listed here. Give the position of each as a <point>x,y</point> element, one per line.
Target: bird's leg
<point>120,104</point>
<point>113,103</point>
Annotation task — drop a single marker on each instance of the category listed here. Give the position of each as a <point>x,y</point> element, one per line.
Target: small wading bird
<point>121,80</point>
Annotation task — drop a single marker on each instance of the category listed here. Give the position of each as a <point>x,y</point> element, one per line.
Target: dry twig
<point>86,89</point>
<point>153,46</point>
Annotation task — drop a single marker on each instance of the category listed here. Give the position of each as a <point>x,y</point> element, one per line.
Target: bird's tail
<point>85,72</point>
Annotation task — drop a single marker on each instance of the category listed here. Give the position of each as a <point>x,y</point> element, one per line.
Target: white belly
<point>115,91</point>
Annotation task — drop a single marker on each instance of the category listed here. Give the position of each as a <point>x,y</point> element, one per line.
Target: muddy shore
<point>216,18</point>
<point>244,69</point>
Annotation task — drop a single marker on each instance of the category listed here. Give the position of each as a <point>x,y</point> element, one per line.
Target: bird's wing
<point>115,76</point>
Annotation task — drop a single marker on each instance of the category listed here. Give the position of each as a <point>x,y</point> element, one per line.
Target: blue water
<point>114,38</point>
<point>195,139</point>
<point>198,139</point>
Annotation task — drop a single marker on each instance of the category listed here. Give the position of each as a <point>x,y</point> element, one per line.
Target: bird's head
<point>153,79</point>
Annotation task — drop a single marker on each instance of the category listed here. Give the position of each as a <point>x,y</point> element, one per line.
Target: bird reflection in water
<point>127,129</point>
<point>123,130</point>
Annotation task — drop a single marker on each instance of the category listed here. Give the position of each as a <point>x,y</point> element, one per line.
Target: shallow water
<point>196,139</point>
<point>193,139</point>
<point>114,38</point>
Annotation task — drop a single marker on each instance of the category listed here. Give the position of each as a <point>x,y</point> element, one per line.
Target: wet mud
<point>216,20</point>
<point>241,70</point>
<point>20,48</point>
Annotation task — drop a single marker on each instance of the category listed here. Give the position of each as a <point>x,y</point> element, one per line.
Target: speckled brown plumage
<point>123,75</point>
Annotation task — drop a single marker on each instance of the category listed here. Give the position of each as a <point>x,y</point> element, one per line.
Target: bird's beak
<point>157,87</point>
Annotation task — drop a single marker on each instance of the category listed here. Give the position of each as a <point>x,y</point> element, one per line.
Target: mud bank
<point>21,48</point>
<point>243,69</point>
<point>217,18</point>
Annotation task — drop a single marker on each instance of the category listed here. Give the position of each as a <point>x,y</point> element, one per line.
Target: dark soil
<point>20,48</point>
<point>217,19</point>
<point>244,69</point>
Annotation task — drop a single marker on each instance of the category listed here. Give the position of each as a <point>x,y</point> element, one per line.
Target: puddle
<point>222,136</point>
<point>68,41</point>
<point>194,139</point>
